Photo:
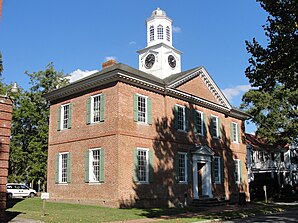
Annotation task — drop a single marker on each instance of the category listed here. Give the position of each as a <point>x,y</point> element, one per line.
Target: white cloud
<point>79,74</point>
<point>176,29</point>
<point>132,43</point>
<point>110,58</point>
<point>230,93</point>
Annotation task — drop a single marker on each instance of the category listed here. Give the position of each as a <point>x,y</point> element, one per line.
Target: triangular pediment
<point>202,150</point>
<point>199,83</point>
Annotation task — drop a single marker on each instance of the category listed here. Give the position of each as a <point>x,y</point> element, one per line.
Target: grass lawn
<point>61,212</point>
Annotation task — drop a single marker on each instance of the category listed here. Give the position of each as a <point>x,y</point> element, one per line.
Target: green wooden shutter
<point>59,119</point>
<point>211,126</point>
<point>87,165</point>
<point>149,110</point>
<point>187,118</point>
<point>88,111</point>
<point>176,117</point>
<point>69,168</point>
<point>219,127</point>
<point>102,165</point>
<point>212,169</point>
<point>102,108</point>
<point>232,132</point>
<point>57,169</point>
<point>135,108</point>
<point>204,125</point>
<point>239,133</point>
<point>135,169</point>
<point>195,120</point>
<point>189,167</point>
<point>240,170</point>
<point>222,169</point>
<point>69,124</point>
<point>176,163</point>
<point>151,166</point>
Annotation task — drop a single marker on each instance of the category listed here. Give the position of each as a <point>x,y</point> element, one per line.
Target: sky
<point>78,36</point>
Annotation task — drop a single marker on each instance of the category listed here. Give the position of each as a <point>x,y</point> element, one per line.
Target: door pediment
<point>202,150</point>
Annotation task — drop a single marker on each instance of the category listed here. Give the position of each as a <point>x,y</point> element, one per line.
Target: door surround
<point>202,154</point>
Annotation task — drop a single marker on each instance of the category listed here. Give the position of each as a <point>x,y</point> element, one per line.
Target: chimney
<point>108,63</point>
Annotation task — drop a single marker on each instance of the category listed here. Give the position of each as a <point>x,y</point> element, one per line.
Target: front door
<point>202,179</point>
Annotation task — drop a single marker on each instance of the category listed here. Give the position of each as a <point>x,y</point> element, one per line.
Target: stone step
<point>208,202</point>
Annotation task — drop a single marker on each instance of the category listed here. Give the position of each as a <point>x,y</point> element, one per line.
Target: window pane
<point>214,126</point>
<point>180,118</point>
<point>141,109</point>
<point>159,32</point>
<point>235,138</point>
<point>65,117</point>
<point>216,169</point>
<point>151,33</point>
<point>199,122</point>
<point>64,167</point>
<point>142,165</point>
<point>182,167</point>
<point>237,177</point>
<point>96,109</point>
<point>95,162</point>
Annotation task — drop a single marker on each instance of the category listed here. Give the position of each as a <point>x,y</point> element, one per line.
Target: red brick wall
<point>119,135</point>
<point>5,125</point>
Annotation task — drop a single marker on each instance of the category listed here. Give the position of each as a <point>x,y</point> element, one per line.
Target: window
<point>182,167</point>
<point>235,131</point>
<point>64,117</point>
<point>237,163</point>
<point>94,165</point>
<point>198,122</point>
<point>95,109</point>
<point>168,34</point>
<point>63,168</point>
<point>142,165</point>
<point>151,33</point>
<point>214,123</point>
<point>180,117</point>
<point>142,109</point>
<point>217,170</point>
<point>159,32</point>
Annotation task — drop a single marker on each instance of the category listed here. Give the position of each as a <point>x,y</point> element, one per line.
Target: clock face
<point>149,61</point>
<point>172,61</point>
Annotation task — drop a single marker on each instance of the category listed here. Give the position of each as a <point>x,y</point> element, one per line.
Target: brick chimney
<point>108,63</point>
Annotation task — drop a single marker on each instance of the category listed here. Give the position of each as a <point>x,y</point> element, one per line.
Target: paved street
<point>281,217</point>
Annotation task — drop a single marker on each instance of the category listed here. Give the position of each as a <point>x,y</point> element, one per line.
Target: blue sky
<point>81,35</point>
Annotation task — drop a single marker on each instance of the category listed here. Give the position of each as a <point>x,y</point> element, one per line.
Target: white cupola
<point>159,58</point>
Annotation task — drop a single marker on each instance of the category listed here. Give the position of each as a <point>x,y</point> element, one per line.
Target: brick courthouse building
<point>153,136</point>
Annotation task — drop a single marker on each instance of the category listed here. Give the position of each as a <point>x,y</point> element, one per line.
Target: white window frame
<point>62,116</point>
<point>237,171</point>
<point>201,130</point>
<point>92,108</point>
<point>151,33</point>
<point>61,181</point>
<point>146,150</point>
<point>185,167</point>
<point>146,109</point>
<point>235,132</point>
<point>218,171</point>
<point>184,121</point>
<point>91,167</point>
<point>159,32</point>
<point>216,125</point>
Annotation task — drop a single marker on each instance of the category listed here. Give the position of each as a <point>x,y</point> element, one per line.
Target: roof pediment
<point>176,80</point>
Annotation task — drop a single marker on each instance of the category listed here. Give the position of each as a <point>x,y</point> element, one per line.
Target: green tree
<point>273,74</point>
<point>29,142</point>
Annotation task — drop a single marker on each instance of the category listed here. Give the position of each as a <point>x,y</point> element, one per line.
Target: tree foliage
<point>29,141</point>
<point>273,74</point>
<point>1,64</point>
